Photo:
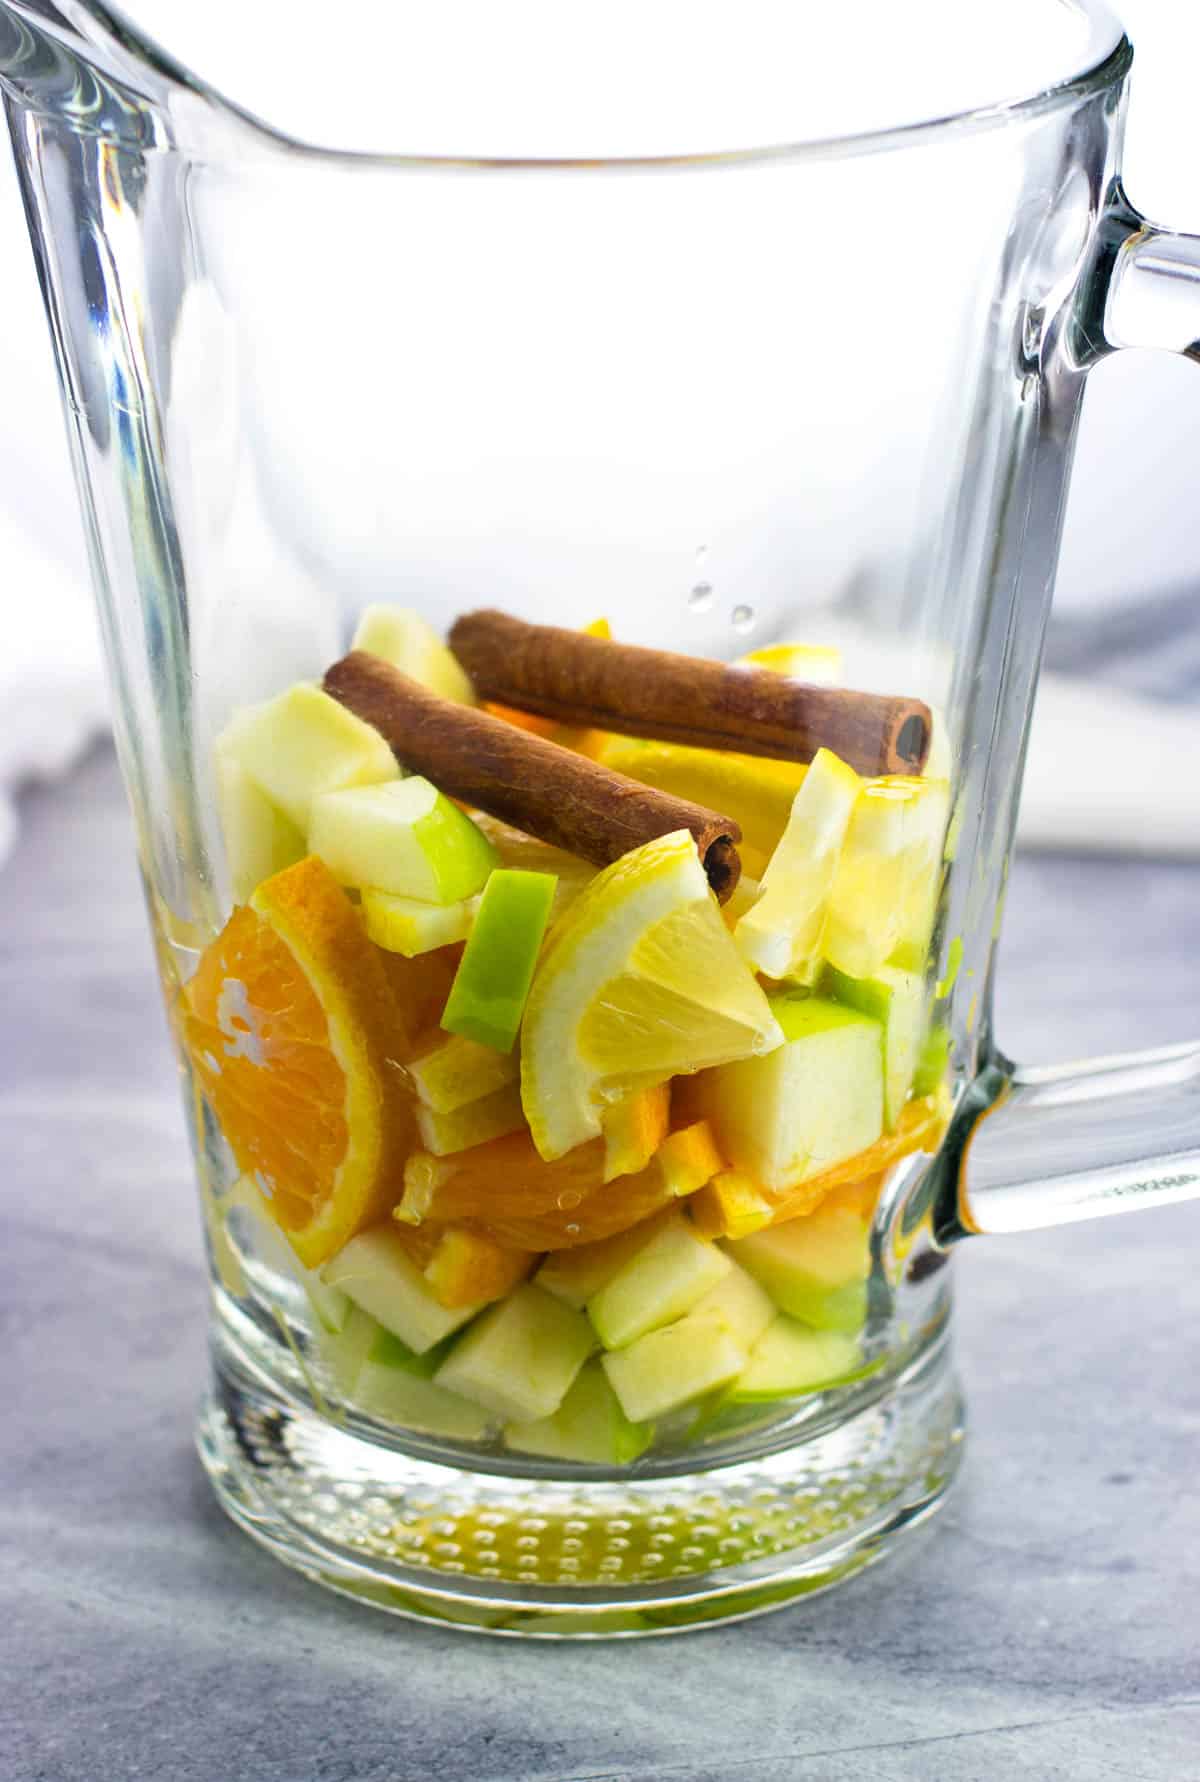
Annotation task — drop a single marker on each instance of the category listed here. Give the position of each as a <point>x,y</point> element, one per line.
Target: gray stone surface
<point>1046,1628</point>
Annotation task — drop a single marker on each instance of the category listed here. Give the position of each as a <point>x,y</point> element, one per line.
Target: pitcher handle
<point>1036,1147</point>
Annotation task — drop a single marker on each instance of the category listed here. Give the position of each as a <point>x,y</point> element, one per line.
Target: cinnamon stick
<point>654,693</point>
<point>534,784</point>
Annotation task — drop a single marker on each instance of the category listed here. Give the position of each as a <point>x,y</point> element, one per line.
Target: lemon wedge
<point>639,982</point>
<point>884,896</point>
<point>780,934</point>
<point>756,792</point>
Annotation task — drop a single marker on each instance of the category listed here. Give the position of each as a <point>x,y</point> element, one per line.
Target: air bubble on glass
<point>701,597</point>
<point>742,618</point>
<point>570,1197</point>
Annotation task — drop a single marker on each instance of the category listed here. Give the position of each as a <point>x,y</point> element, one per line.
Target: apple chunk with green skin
<point>395,1385</point>
<point>260,840</point>
<point>375,1272</point>
<point>896,999</point>
<point>409,642</point>
<point>303,743</point>
<point>814,1268</point>
<point>490,988</point>
<point>407,839</point>
<point>811,1103</point>
<point>521,1357</point>
<point>661,1282</point>
<point>409,926</point>
<point>790,1358</point>
<point>589,1426</point>
<point>672,1366</point>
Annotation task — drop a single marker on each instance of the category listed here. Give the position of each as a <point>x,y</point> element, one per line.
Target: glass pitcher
<point>578,1241</point>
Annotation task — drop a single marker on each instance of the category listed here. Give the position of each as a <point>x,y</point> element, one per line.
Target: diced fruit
<point>468,1268</point>
<point>919,1128</point>
<point>670,1367</point>
<point>525,853</point>
<point>394,1386</point>
<point>661,1282</point>
<point>738,1302</point>
<point>508,1187</point>
<point>379,1276</point>
<point>589,1426</point>
<point>634,1128</point>
<point>407,839</point>
<point>818,664</point>
<point>344,1352</point>
<point>420,987</point>
<point>521,1357</point>
<point>934,1060</point>
<point>487,998</point>
<point>896,999</point>
<point>731,1205</point>
<point>269,1248</point>
<point>290,1022</point>
<point>884,896</point>
<point>639,981</point>
<point>408,926</point>
<point>689,1158</point>
<point>781,933</point>
<point>790,1358</point>
<point>491,1117</point>
<point>450,1071</point>
<point>814,1268</point>
<point>758,793</point>
<point>575,1276</point>
<point>805,1107</point>
<point>303,743</point>
<point>259,839</point>
<point>410,643</point>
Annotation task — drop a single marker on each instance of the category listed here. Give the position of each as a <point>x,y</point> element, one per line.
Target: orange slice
<point>509,1191</point>
<point>292,1027</point>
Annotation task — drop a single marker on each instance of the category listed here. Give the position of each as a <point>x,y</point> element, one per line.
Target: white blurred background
<point>1127,612</point>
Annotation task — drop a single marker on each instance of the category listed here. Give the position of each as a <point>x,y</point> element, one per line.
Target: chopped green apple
<point>814,1101</point>
<point>259,839</point>
<point>452,1070</point>
<point>781,931</point>
<point>577,1275</point>
<point>672,1366</point>
<point>472,1124</point>
<point>378,1275</point>
<point>661,1282</point>
<point>520,1358</point>
<point>406,838</point>
<point>487,997</point>
<point>247,1218</point>
<point>934,1060</point>
<point>896,999</point>
<point>396,1385</point>
<point>884,896</point>
<point>345,1351</point>
<point>814,1268</point>
<point>303,743</point>
<point>740,1304</point>
<point>409,926</point>
<point>589,1426</point>
<point>790,1358</point>
<point>406,640</point>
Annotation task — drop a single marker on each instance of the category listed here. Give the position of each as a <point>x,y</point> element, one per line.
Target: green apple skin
<point>897,1001</point>
<point>811,1103</point>
<point>406,839</point>
<point>488,995</point>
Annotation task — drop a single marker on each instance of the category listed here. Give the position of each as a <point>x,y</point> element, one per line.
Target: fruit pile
<point>557,1152</point>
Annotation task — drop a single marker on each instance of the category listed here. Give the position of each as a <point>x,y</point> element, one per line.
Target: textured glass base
<point>558,1557</point>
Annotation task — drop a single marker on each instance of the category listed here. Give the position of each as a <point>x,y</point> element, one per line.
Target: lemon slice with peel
<point>639,982</point>
<point>780,934</point>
